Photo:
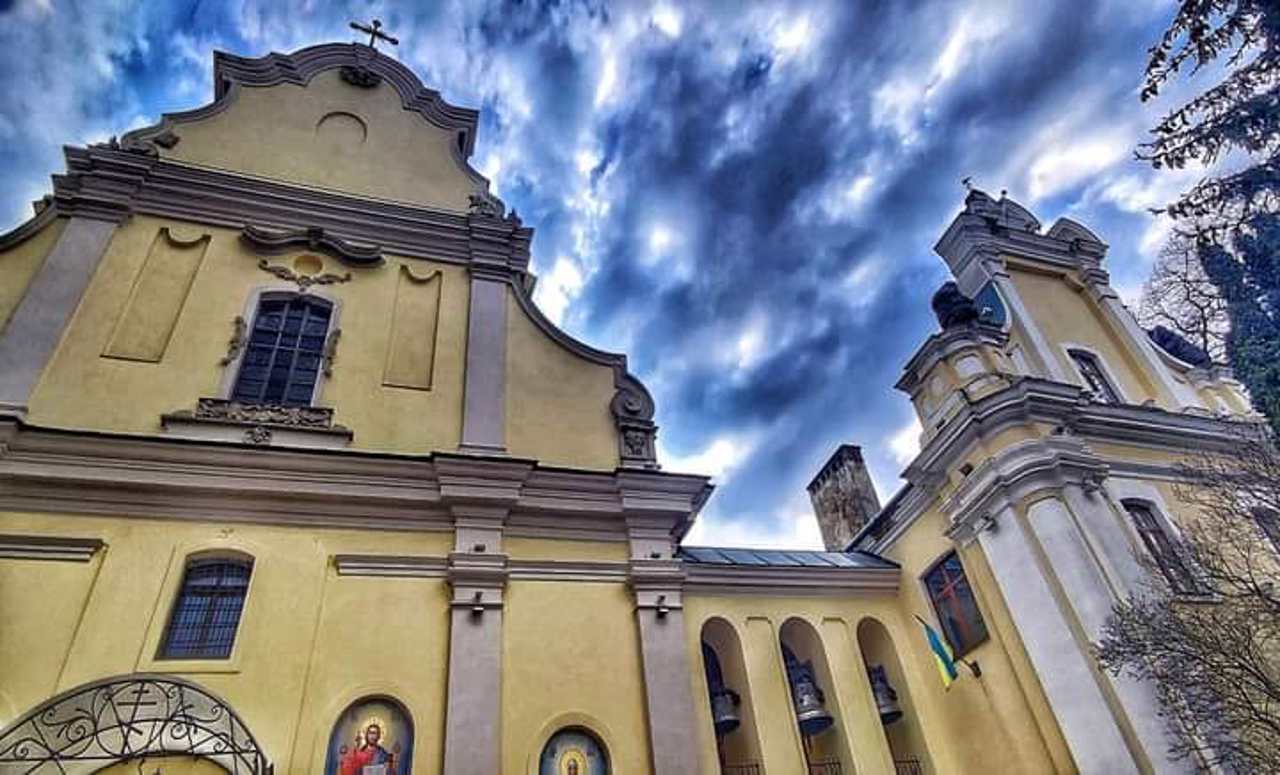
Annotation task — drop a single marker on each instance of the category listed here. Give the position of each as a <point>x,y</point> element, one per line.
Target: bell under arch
<point>125,718</point>
<point>813,699</point>
<point>894,707</point>
<point>737,746</point>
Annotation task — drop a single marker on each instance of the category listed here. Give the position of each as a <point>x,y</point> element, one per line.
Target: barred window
<point>204,619</point>
<point>285,351</point>
<point>1161,548</point>
<point>1094,378</point>
<point>953,601</point>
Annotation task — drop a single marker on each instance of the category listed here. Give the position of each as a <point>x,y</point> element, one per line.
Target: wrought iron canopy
<point>128,717</point>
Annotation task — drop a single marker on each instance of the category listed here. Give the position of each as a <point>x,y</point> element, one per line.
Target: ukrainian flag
<point>942,655</point>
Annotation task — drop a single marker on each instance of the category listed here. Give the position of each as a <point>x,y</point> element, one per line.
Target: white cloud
<point>794,528</point>
<point>904,444</point>
<point>717,460</point>
<point>558,288</point>
<point>1065,164</point>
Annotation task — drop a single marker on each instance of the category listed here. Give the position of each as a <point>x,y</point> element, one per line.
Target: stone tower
<point>844,498</point>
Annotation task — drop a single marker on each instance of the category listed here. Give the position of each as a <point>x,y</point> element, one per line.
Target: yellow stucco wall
<point>1066,316</point>
<point>309,642</point>
<point>19,263</point>
<point>557,402</point>
<point>979,725</point>
<point>332,135</point>
<point>571,657</point>
<point>82,388</point>
<point>1005,708</point>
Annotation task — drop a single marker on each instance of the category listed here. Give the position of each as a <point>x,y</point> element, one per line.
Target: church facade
<point>295,477</point>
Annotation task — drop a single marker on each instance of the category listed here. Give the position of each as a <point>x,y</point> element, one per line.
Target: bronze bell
<point>811,714</point>
<point>724,701</point>
<point>886,698</point>
<point>724,711</point>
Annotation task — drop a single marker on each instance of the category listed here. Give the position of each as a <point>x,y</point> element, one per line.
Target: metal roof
<point>712,555</point>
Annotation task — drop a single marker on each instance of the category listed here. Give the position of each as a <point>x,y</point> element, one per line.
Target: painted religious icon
<point>573,752</point>
<point>373,736</point>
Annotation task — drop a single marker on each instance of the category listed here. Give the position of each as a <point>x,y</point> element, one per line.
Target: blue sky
<point>742,197</point>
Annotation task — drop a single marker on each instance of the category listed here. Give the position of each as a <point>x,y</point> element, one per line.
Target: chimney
<point>844,499</point>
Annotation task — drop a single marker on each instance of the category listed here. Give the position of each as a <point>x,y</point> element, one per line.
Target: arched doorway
<point>729,696</point>
<point>573,751</point>
<point>901,724</point>
<point>813,700</point>
<point>94,726</point>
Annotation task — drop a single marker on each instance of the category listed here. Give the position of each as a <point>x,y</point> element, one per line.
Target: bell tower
<point>843,496</point>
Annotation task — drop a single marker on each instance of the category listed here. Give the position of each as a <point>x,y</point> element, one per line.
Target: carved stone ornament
<point>312,238</point>
<point>239,337</point>
<point>360,76</point>
<point>142,144</point>
<point>258,435</point>
<point>304,281</point>
<point>226,410</point>
<point>486,205</point>
<point>632,409</point>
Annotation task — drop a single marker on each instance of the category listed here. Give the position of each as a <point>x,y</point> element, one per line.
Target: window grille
<point>1161,548</point>
<point>285,351</point>
<point>953,601</point>
<point>204,620</point>
<point>1089,367</point>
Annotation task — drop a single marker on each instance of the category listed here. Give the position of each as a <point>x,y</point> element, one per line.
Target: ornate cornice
<point>1015,474</point>
<point>83,472</point>
<point>114,184</point>
<point>312,238</point>
<point>944,344</point>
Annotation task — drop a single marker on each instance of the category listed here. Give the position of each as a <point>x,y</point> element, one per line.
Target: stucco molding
<point>391,566</point>
<point>946,344</point>
<point>987,228</point>
<point>228,420</point>
<point>1067,407</point>
<point>1012,477</point>
<point>108,184</point>
<point>44,547</point>
<point>49,470</point>
<point>314,238</point>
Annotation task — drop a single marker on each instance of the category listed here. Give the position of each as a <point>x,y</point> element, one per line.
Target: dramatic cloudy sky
<point>743,197</point>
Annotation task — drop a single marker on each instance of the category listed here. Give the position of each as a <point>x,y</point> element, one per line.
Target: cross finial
<point>374,30</point>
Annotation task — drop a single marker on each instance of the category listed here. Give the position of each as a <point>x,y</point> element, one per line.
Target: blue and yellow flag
<point>942,654</point>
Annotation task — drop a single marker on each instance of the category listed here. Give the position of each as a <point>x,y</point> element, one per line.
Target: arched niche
<point>803,653</point>
<point>376,730</point>
<point>574,751</point>
<point>127,719</point>
<point>905,735</point>
<point>739,748</point>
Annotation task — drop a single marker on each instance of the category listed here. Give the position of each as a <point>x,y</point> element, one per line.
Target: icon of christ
<point>367,756</point>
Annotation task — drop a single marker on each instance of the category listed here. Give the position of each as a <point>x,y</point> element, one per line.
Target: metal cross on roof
<point>375,33</point>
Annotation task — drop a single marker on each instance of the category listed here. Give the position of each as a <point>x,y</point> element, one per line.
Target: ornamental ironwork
<point>125,718</point>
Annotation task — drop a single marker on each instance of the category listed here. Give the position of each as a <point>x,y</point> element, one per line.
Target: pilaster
<point>28,342</point>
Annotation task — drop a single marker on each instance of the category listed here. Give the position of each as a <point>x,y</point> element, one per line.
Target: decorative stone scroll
<point>632,408</point>
<point>304,281</point>
<point>312,238</point>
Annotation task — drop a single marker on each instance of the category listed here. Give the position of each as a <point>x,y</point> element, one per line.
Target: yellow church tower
<point>295,477</point>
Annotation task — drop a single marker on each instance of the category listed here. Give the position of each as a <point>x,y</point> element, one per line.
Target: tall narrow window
<point>1094,378</point>
<point>1161,547</point>
<point>953,601</point>
<point>285,351</point>
<point>204,619</point>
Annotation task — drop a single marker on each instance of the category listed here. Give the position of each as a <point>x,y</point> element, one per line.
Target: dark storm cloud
<point>742,197</point>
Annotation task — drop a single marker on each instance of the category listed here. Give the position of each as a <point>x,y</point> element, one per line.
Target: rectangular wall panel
<point>411,352</point>
<point>158,295</point>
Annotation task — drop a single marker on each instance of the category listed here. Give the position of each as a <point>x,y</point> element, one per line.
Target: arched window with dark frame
<point>286,350</point>
<point>207,612</point>
<point>954,603</point>
<point>1095,379</point>
<point>1161,547</point>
